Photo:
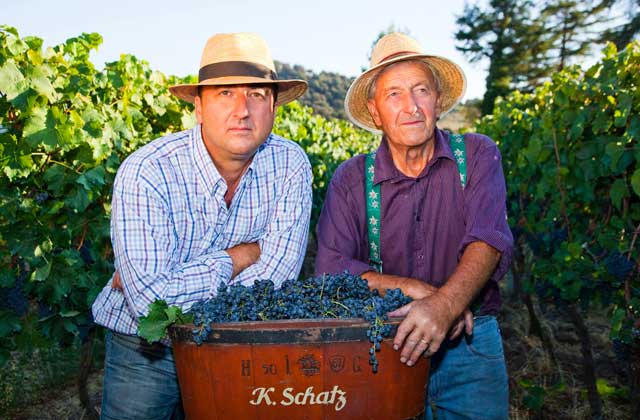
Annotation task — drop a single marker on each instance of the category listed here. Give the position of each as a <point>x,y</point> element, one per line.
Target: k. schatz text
<point>335,397</point>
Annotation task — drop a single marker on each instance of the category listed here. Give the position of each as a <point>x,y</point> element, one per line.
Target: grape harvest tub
<point>295,369</point>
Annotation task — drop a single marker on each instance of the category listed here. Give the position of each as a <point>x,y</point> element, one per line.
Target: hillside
<point>327,91</point>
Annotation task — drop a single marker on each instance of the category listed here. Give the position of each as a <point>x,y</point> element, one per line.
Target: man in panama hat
<point>225,202</point>
<point>426,213</point>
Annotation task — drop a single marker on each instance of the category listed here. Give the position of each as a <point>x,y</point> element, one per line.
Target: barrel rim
<point>285,331</point>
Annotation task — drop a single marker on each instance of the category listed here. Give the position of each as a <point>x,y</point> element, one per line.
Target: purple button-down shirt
<point>427,221</point>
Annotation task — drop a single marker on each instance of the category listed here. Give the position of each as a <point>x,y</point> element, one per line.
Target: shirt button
<point>420,257</point>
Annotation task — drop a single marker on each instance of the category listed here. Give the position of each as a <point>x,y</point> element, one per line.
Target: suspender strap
<point>373,213</point>
<point>459,153</point>
<point>374,198</point>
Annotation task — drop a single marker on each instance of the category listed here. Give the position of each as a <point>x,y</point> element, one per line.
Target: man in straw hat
<point>225,202</point>
<point>412,216</point>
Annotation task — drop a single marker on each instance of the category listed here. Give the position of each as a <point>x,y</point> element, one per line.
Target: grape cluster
<point>621,350</point>
<point>15,298</point>
<point>326,296</point>
<point>618,266</point>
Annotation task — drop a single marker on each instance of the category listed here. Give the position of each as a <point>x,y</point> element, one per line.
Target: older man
<point>426,214</point>
<point>224,202</point>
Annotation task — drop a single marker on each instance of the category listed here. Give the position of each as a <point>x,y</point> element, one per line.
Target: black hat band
<point>236,68</point>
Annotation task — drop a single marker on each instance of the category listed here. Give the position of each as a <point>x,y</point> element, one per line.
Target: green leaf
<point>92,178</point>
<point>55,178</point>
<point>153,327</point>
<point>618,192</point>
<point>9,323</point>
<point>625,102</point>
<point>69,314</point>
<point>5,355</point>
<point>40,129</point>
<point>40,82</point>
<point>7,277</point>
<point>12,82</point>
<point>79,201</point>
<point>71,258</point>
<point>533,151</point>
<point>41,273</point>
<point>62,286</point>
<point>614,150</point>
<point>574,249</point>
<point>635,182</point>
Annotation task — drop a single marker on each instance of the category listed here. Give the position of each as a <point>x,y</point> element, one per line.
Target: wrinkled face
<point>235,119</point>
<point>405,105</point>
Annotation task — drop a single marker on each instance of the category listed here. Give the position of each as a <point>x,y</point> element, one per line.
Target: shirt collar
<point>204,166</point>
<point>385,169</point>
<point>207,170</point>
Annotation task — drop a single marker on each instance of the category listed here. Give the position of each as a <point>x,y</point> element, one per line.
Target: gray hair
<point>426,66</point>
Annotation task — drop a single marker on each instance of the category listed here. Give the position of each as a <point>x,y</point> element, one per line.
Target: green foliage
<point>577,137</point>
<point>153,327</point>
<point>534,396</point>
<point>327,144</point>
<point>65,127</point>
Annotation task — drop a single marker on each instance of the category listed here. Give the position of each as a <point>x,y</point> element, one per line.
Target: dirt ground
<point>531,375</point>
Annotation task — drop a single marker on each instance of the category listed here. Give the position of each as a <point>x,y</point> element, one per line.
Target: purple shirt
<point>427,221</point>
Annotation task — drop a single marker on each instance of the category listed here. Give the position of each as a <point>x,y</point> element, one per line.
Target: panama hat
<point>239,59</point>
<point>393,48</point>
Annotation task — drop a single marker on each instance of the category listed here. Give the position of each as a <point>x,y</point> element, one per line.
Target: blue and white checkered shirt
<point>170,225</point>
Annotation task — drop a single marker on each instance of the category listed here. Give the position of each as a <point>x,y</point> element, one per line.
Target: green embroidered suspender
<point>374,198</point>
<point>373,213</point>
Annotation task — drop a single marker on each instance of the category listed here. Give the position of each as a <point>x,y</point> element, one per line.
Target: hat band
<point>395,55</point>
<point>236,68</point>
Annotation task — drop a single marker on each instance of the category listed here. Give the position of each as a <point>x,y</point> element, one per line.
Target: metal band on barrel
<point>236,68</point>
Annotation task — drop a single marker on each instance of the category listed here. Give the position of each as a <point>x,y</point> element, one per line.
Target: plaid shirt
<point>170,225</point>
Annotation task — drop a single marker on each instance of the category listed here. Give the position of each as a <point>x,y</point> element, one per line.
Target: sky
<point>329,35</point>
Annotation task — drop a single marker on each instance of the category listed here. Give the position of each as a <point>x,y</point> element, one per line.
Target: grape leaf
<point>153,327</point>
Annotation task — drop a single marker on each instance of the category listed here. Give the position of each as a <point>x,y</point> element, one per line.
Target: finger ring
<point>423,341</point>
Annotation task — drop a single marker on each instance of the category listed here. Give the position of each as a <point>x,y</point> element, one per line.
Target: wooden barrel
<point>295,369</point>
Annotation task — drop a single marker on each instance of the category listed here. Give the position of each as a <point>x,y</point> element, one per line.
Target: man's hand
<point>117,281</point>
<point>243,255</point>
<point>425,326</point>
<point>465,322</point>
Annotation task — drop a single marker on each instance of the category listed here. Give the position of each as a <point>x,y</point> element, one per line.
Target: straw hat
<point>239,58</point>
<point>393,48</point>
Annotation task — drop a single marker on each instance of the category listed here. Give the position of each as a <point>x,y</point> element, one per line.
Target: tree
<point>625,33</point>
<point>503,34</point>
<point>573,27</point>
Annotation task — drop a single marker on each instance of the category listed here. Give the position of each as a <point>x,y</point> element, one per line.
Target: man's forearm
<point>242,256</point>
<point>476,266</point>
<point>415,288</point>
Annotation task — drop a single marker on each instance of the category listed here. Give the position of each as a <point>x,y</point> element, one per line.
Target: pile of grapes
<point>326,296</point>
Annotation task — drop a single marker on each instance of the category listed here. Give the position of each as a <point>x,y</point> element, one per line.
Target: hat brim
<point>288,90</point>
<point>452,79</point>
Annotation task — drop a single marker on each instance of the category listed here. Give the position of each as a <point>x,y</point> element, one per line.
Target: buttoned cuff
<point>223,266</point>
